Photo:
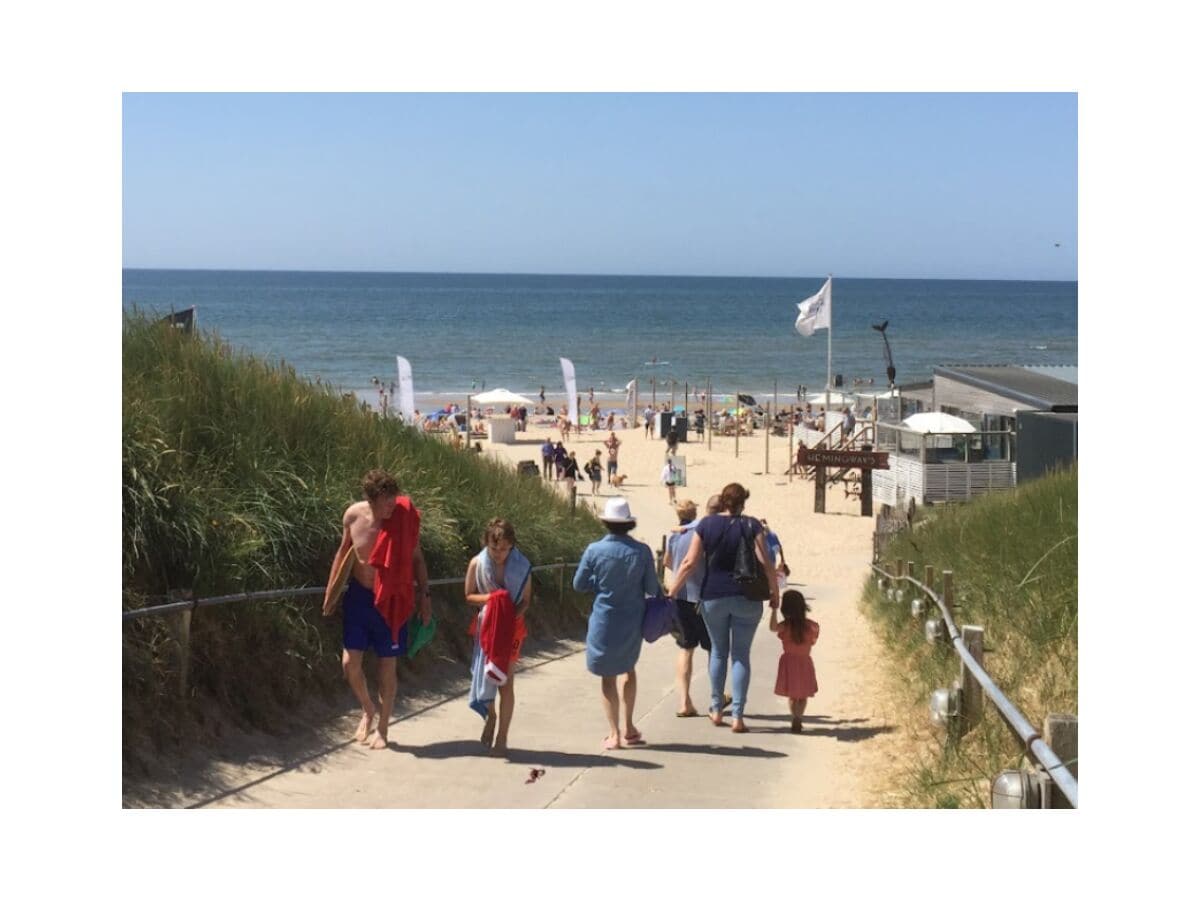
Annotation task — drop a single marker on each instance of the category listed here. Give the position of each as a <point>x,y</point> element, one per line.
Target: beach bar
<point>1020,422</point>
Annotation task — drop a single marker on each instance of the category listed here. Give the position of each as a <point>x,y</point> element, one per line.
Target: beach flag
<point>815,312</point>
<point>405,384</point>
<point>568,368</point>
<point>629,393</point>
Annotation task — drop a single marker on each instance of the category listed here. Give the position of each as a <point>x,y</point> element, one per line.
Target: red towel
<point>392,559</point>
<point>500,636</point>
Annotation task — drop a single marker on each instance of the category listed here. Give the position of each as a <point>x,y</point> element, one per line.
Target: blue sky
<point>859,185</point>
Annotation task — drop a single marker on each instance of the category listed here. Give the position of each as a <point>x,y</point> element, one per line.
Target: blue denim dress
<point>620,572</point>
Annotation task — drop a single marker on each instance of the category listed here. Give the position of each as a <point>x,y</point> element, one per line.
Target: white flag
<point>816,311</point>
<point>406,389</point>
<point>572,398</point>
<point>629,393</point>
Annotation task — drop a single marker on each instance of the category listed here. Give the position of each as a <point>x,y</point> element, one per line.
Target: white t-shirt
<point>668,474</point>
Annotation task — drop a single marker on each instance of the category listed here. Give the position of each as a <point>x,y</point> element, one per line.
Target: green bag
<point>419,635</point>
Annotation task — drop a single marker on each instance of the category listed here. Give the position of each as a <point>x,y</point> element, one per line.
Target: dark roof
<point>1017,383</point>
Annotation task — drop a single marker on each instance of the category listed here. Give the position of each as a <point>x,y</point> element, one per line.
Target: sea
<point>466,333</point>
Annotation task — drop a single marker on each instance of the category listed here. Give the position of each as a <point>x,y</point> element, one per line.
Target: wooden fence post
<point>929,577</point>
<point>1061,733</point>
<point>562,581</point>
<point>185,651</point>
<point>972,711</point>
<point>767,444</point>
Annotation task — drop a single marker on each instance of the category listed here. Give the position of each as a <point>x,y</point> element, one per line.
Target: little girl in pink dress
<point>797,679</point>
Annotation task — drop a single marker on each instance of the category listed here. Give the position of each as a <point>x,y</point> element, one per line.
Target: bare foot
<point>379,741</point>
<point>716,718</point>
<point>364,726</point>
<point>489,730</point>
<point>500,748</point>
<point>739,727</point>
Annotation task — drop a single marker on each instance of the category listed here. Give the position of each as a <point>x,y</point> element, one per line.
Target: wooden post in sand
<point>708,418</point>
<point>654,393</point>
<point>672,395</point>
<point>767,444</point>
<point>791,437</point>
<point>737,423</point>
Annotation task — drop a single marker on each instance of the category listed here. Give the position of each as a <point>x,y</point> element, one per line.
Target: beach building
<point>1008,424</point>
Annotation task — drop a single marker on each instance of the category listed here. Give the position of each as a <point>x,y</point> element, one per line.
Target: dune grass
<point>1015,562</point>
<point>235,474</point>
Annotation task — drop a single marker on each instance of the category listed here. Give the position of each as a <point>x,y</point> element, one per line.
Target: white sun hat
<point>616,510</point>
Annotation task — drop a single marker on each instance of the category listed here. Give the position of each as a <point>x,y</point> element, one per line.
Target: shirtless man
<point>363,625</point>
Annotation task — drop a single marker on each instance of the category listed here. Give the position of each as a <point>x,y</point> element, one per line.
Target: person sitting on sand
<point>619,571</point>
<point>499,566</point>
<point>383,532</point>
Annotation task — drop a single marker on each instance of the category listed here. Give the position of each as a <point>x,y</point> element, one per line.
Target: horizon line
<point>125,268</point>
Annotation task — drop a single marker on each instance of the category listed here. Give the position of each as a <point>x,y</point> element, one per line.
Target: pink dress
<point>797,679</point>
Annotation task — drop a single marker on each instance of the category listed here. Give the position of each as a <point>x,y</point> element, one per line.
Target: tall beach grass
<point>1015,562</point>
<point>235,474</point>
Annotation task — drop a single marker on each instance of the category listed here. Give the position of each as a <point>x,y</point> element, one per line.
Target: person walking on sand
<point>547,459</point>
<point>498,581</point>
<point>542,395</point>
<point>613,443</point>
<point>560,460</point>
<point>571,467</point>
<point>619,571</point>
<point>383,532</point>
<point>693,632</point>
<point>731,617</point>
<point>648,416</point>
<point>796,678</point>
<point>593,467</point>
<point>669,477</point>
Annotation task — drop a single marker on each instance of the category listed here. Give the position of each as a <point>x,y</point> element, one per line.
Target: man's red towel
<point>500,636</point>
<point>392,560</point>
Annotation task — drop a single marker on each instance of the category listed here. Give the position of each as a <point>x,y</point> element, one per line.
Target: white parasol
<point>938,423</point>
<point>500,395</point>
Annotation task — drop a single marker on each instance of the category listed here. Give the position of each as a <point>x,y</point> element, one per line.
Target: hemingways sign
<point>846,459</point>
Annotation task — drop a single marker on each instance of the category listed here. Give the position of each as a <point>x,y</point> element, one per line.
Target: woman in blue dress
<point>620,572</point>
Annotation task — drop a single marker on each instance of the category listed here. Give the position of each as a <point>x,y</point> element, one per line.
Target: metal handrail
<point>182,605</point>
<point>1030,736</point>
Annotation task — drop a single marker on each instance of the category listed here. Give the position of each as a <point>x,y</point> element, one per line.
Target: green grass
<point>1015,562</point>
<point>235,474</point>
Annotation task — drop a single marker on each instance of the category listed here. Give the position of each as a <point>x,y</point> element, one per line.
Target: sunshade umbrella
<point>500,395</point>
<point>747,399</point>
<point>938,423</point>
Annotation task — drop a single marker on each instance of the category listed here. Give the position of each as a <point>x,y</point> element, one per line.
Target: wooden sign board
<point>846,459</point>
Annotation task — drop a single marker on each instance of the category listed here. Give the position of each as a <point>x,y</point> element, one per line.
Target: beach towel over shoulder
<point>392,559</point>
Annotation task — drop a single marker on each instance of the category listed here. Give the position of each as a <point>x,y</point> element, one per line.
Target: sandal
<point>739,727</point>
<point>716,719</point>
<point>687,714</point>
<point>611,743</point>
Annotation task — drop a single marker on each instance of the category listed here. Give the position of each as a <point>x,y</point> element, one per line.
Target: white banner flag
<point>568,368</point>
<point>629,393</point>
<point>407,408</point>
<point>816,311</point>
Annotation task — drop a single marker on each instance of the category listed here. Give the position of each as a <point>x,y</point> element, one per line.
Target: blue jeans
<point>731,624</point>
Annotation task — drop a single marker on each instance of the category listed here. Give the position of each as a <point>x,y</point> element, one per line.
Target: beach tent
<point>500,395</point>
<point>938,423</point>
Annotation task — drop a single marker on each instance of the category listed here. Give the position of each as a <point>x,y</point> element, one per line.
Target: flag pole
<point>829,354</point>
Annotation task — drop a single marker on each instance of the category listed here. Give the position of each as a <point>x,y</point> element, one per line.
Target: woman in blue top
<point>730,617</point>
<point>620,572</point>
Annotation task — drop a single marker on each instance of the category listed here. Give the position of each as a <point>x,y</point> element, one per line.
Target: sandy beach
<point>828,554</point>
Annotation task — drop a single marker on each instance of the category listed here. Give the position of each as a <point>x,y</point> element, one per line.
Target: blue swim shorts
<point>364,628</point>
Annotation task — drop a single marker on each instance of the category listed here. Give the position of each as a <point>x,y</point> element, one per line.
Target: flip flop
<point>635,739</point>
<point>612,743</point>
<point>687,715</point>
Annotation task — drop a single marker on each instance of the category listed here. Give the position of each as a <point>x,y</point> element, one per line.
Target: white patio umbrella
<point>500,395</point>
<point>938,423</point>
